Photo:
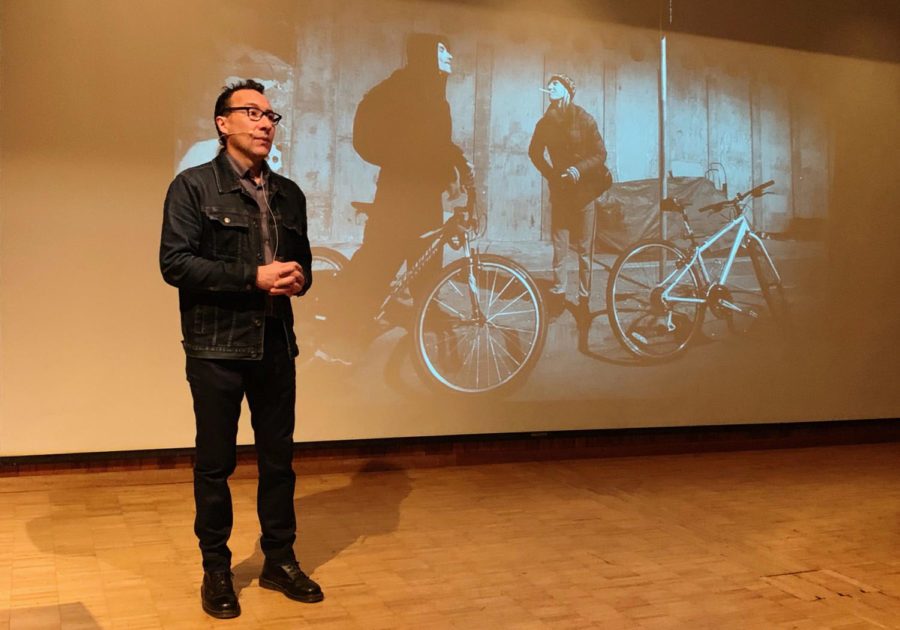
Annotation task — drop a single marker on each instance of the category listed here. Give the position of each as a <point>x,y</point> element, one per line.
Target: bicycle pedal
<point>640,338</point>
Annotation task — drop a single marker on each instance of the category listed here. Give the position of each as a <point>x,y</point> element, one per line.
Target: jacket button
<point>257,322</point>
<point>227,219</point>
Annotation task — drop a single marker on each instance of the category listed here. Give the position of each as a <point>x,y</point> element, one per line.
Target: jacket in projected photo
<point>403,125</point>
<point>571,138</point>
<point>576,174</point>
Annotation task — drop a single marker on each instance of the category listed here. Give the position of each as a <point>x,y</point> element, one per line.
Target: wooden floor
<point>795,539</point>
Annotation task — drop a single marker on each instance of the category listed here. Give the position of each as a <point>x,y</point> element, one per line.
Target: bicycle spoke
<point>526,332</point>
<point>634,309</point>
<point>654,302</point>
<point>505,313</point>
<point>493,293</point>
<point>503,310</point>
<point>493,296</point>
<point>496,344</point>
<point>446,306</point>
<point>481,334</point>
<point>492,347</point>
<point>637,283</point>
<point>457,289</point>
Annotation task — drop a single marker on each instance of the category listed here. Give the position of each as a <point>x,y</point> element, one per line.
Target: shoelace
<point>220,579</point>
<point>293,570</point>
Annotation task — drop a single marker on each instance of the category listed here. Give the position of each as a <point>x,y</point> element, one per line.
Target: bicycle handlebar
<point>470,198</point>
<point>464,217</point>
<point>721,205</point>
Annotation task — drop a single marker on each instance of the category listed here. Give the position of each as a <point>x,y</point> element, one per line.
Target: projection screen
<point>466,336</point>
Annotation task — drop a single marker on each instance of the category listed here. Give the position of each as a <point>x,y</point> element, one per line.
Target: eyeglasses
<point>255,113</point>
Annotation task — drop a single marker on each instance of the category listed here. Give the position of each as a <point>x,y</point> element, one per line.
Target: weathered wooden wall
<point>732,104</point>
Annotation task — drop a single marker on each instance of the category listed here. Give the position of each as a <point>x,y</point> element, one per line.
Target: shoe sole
<point>275,586</point>
<point>228,614</point>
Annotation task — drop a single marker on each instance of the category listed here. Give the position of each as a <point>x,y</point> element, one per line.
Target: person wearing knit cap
<point>566,82</point>
<point>567,149</point>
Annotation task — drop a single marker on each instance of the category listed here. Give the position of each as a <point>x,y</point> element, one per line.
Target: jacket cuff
<point>249,282</point>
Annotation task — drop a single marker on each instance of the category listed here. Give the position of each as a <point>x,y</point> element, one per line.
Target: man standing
<point>576,174</point>
<point>234,242</point>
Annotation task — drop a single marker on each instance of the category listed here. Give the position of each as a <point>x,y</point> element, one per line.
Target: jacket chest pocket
<point>228,231</point>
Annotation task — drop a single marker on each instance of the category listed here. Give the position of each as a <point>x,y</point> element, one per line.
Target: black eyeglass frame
<point>272,116</point>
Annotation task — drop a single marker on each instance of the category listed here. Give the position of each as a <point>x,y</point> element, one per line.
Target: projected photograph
<point>513,208</point>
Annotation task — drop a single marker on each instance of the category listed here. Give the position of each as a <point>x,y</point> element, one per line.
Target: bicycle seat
<point>362,206</point>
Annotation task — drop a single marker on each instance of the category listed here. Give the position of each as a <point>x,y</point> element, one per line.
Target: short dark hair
<point>224,100</point>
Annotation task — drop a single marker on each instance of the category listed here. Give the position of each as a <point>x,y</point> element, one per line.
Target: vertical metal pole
<point>663,187</point>
<point>663,95</point>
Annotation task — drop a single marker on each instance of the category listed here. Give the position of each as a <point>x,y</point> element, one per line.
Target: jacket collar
<point>227,179</point>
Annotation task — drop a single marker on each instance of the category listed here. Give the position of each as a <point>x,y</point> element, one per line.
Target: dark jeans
<point>218,387</point>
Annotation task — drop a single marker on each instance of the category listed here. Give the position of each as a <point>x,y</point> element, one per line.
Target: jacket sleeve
<point>302,251</point>
<point>180,259</point>
<point>536,151</point>
<point>595,155</point>
<point>305,260</point>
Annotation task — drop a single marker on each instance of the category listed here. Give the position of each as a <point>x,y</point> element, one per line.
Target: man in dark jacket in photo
<point>403,126</point>
<point>576,174</point>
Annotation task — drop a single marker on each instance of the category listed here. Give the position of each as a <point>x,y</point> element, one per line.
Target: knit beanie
<point>566,81</point>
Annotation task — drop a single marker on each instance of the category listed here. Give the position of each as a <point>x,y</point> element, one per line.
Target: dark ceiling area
<point>867,29</point>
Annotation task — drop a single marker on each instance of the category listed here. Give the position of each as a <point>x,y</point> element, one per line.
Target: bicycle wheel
<point>309,309</point>
<point>480,328</point>
<point>770,284</point>
<point>645,322</point>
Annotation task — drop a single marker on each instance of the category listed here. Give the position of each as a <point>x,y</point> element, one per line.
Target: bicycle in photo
<point>659,293</point>
<point>479,324</point>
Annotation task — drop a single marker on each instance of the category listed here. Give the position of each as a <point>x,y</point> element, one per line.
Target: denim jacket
<point>210,249</point>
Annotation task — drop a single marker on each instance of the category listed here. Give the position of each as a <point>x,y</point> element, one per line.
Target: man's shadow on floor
<point>330,521</point>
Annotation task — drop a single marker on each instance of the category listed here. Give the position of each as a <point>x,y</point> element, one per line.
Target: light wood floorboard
<point>784,539</point>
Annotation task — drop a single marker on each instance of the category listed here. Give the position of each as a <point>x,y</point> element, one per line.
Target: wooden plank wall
<point>728,103</point>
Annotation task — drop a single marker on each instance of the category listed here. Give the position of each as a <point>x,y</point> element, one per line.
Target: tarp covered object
<point>629,211</point>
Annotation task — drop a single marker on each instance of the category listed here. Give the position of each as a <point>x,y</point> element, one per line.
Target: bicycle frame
<point>401,280</point>
<point>478,324</point>
<point>659,291</point>
<point>742,226</point>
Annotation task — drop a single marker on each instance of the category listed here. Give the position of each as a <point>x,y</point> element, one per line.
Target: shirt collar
<point>244,173</point>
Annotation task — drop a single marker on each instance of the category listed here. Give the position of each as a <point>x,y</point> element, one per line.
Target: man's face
<point>444,58</point>
<point>249,138</point>
<point>556,89</point>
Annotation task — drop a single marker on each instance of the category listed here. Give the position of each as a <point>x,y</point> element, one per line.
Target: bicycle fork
<point>471,256</point>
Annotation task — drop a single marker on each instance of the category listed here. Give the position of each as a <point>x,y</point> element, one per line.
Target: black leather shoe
<point>290,580</point>
<point>217,595</point>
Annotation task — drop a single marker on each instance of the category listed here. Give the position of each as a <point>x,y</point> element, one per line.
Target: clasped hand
<point>572,174</point>
<point>280,278</point>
